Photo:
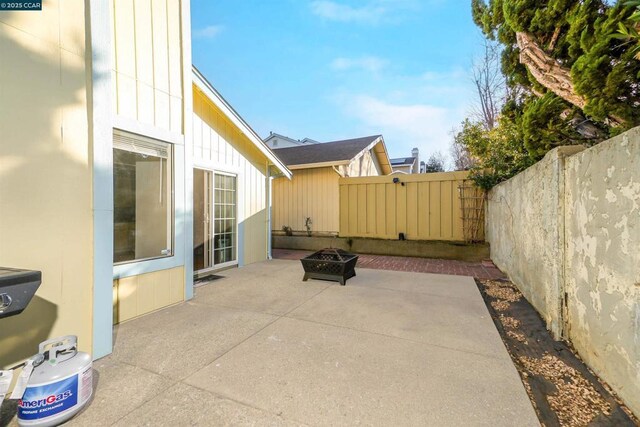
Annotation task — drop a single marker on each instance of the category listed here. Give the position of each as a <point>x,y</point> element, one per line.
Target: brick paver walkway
<point>479,270</point>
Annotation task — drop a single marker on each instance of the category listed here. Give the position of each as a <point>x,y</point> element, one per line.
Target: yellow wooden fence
<point>421,206</point>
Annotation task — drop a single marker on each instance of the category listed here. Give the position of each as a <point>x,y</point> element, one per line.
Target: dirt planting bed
<point>562,389</point>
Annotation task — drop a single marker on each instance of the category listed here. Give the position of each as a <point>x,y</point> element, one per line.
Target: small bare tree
<point>490,85</point>
<point>460,156</point>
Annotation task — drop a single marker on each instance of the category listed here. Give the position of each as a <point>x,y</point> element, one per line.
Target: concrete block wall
<point>567,232</point>
<point>602,261</point>
<point>524,228</point>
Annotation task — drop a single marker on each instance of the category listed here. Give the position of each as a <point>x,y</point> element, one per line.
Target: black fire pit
<point>330,264</point>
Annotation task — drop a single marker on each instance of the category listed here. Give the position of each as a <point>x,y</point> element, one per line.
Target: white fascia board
<point>319,165</point>
<point>201,82</point>
<point>379,140</point>
<point>387,163</point>
<point>369,147</point>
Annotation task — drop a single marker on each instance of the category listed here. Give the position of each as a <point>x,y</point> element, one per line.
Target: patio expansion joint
<point>173,383</point>
<point>236,308</point>
<point>226,397</point>
<point>486,356</point>
<point>404,291</point>
<point>328,286</point>
<point>269,313</point>
<point>243,403</point>
<point>306,301</point>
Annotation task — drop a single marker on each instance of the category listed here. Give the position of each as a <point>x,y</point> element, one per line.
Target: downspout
<point>337,171</point>
<point>268,201</point>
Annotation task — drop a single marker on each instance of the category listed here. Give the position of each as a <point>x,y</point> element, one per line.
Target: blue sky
<point>339,69</point>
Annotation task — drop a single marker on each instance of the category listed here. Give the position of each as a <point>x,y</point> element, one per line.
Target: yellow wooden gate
<point>420,206</point>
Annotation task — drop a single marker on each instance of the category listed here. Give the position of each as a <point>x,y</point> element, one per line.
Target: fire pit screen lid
<point>340,254</point>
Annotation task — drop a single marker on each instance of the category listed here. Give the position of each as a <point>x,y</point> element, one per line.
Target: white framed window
<point>143,198</point>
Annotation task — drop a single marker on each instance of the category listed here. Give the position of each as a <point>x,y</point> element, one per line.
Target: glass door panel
<point>225,227</point>
<point>201,220</point>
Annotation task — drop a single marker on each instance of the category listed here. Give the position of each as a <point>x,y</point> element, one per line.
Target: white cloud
<point>371,64</point>
<point>451,75</point>
<point>208,32</point>
<point>371,12</point>
<point>410,110</point>
<point>333,11</point>
<point>404,125</point>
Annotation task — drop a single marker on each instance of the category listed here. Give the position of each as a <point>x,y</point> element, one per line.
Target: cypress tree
<point>575,78</point>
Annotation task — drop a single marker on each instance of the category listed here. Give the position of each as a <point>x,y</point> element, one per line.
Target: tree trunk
<point>550,74</point>
<point>547,71</point>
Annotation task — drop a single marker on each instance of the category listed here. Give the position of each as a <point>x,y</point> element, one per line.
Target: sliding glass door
<point>225,229</point>
<point>201,220</point>
<point>214,220</point>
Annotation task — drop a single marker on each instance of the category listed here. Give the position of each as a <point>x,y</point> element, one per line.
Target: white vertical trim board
<point>187,130</point>
<point>98,56</point>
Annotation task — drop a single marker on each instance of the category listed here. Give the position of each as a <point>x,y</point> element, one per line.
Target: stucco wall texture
<point>567,232</point>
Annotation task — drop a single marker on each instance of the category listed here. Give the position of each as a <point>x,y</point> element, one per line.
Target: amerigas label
<point>49,399</point>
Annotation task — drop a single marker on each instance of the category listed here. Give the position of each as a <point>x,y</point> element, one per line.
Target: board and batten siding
<point>138,295</point>
<point>426,207</point>
<point>310,193</point>
<point>147,62</point>
<point>218,145</point>
<point>45,174</point>
<point>365,164</point>
<point>148,96</point>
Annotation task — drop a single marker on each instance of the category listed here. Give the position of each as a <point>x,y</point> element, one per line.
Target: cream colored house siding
<point>147,56</point>
<point>144,293</point>
<point>405,169</point>
<point>310,193</point>
<point>365,164</point>
<point>219,145</point>
<point>147,62</point>
<point>45,174</point>
<point>314,193</point>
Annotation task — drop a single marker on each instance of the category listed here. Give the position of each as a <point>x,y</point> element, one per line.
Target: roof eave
<point>319,164</point>
<point>380,150</point>
<point>203,84</point>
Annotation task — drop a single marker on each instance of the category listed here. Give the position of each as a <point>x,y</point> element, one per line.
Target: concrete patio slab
<point>433,284</point>
<point>184,405</point>
<point>324,375</point>
<point>121,386</point>
<point>283,293</point>
<point>261,347</point>
<point>177,341</point>
<point>458,321</point>
<point>262,268</point>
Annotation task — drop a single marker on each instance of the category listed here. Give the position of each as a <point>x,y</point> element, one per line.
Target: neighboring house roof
<point>274,135</point>
<point>403,161</point>
<point>203,84</point>
<point>334,153</point>
<point>310,141</point>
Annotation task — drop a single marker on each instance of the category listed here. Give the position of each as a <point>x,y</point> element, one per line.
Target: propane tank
<point>59,386</point>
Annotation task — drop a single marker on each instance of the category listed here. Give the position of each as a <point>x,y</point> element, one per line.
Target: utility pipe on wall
<point>268,202</point>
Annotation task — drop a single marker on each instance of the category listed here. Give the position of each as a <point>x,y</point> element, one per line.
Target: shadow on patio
<point>259,346</point>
